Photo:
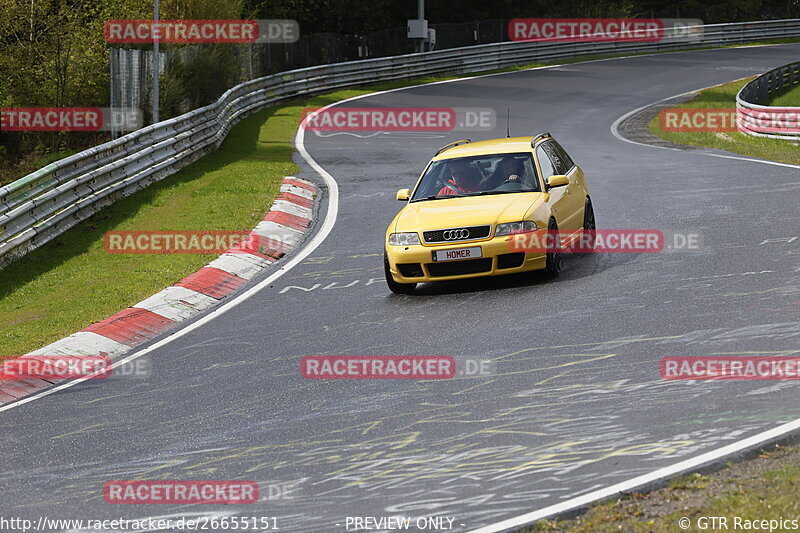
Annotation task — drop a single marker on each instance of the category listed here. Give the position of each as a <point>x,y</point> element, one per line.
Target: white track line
<point>615,132</point>
<point>327,226</point>
<point>319,237</point>
<point>330,220</point>
<point>628,485</point>
<point>681,466</point>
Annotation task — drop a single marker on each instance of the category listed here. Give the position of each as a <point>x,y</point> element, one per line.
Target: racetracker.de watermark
<point>608,241</point>
<point>730,368</point>
<point>180,492</point>
<point>406,119</point>
<point>676,119</point>
<point>189,242</point>
<point>70,119</point>
<point>586,30</point>
<point>65,367</point>
<point>201,31</point>
<point>604,29</point>
<point>56,367</point>
<point>378,367</point>
<point>589,241</point>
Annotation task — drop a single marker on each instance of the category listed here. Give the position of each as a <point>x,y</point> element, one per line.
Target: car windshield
<point>477,175</point>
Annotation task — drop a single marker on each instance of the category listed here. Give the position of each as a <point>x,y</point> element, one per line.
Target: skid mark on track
<point>503,448</point>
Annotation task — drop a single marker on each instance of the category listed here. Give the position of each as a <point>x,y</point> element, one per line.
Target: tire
<point>397,288</point>
<point>589,224</point>
<point>554,256</point>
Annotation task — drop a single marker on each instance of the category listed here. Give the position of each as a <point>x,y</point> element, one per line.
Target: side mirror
<point>403,194</point>
<point>557,181</point>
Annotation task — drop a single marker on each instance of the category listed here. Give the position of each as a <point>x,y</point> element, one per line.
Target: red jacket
<point>453,189</point>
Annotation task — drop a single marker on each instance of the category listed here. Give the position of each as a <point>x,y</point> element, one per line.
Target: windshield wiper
<point>484,193</point>
<point>437,197</point>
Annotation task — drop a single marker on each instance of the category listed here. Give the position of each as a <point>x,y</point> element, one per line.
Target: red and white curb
<point>283,227</point>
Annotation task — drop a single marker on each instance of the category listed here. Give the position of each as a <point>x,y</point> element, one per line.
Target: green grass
<point>724,97</point>
<point>790,98</point>
<point>46,159</point>
<point>11,172</point>
<point>71,282</point>
<point>752,493</point>
<point>769,495</point>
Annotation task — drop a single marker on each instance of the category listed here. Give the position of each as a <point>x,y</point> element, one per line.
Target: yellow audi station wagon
<point>471,202</point>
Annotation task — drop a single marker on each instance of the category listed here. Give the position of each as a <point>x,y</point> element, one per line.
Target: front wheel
<point>589,225</point>
<point>395,287</point>
<point>553,262</point>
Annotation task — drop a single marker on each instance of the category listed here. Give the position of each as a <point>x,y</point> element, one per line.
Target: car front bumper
<point>415,264</point>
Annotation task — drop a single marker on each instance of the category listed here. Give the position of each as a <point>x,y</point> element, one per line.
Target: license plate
<point>456,255</point>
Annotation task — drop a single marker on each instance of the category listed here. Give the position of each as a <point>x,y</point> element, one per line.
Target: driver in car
<point>463,180</point>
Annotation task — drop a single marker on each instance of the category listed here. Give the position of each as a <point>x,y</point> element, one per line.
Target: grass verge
<point>790,98</point>
<point>10,171</point>
<point>13,171</point>
<point>71,282</point>
<point>762,488</point>
<point>724,97</point>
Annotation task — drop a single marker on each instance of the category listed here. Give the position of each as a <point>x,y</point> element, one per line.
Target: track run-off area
<point>570,401</point>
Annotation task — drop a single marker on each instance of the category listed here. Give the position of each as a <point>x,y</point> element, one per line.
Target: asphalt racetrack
<point>571,400</point>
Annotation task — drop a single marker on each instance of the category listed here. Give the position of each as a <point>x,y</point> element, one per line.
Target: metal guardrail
<point>756,118</point>
<point>47,202</point>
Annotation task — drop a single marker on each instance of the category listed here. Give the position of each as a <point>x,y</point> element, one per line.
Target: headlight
<point>512,228</point>
<point>403,239</point>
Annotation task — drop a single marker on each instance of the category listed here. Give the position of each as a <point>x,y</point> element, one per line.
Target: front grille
<point>410,270</point>
<point>457,268</point>
<point>510,260</point>
<point>457,234</point>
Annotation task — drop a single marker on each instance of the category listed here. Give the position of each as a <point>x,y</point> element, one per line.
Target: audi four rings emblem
<point>455,234</point>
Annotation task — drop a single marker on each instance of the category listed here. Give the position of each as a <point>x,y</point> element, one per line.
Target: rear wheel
<point>395,287</point>
<point>553,262</point>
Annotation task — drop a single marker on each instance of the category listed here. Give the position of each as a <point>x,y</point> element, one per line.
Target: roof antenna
<point>508,122</point>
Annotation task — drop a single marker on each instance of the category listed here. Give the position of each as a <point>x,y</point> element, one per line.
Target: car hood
<point>466,211</point>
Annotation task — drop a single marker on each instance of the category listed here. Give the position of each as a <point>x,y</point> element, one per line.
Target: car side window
<point>559,164</point>
<point>565,162</point>
<point>548,169</point>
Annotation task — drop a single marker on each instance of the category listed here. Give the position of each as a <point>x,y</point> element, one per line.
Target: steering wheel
<point>508,186</point>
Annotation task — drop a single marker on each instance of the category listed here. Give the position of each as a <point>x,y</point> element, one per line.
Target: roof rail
<point>543,135</point>
<point>451,145</point>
